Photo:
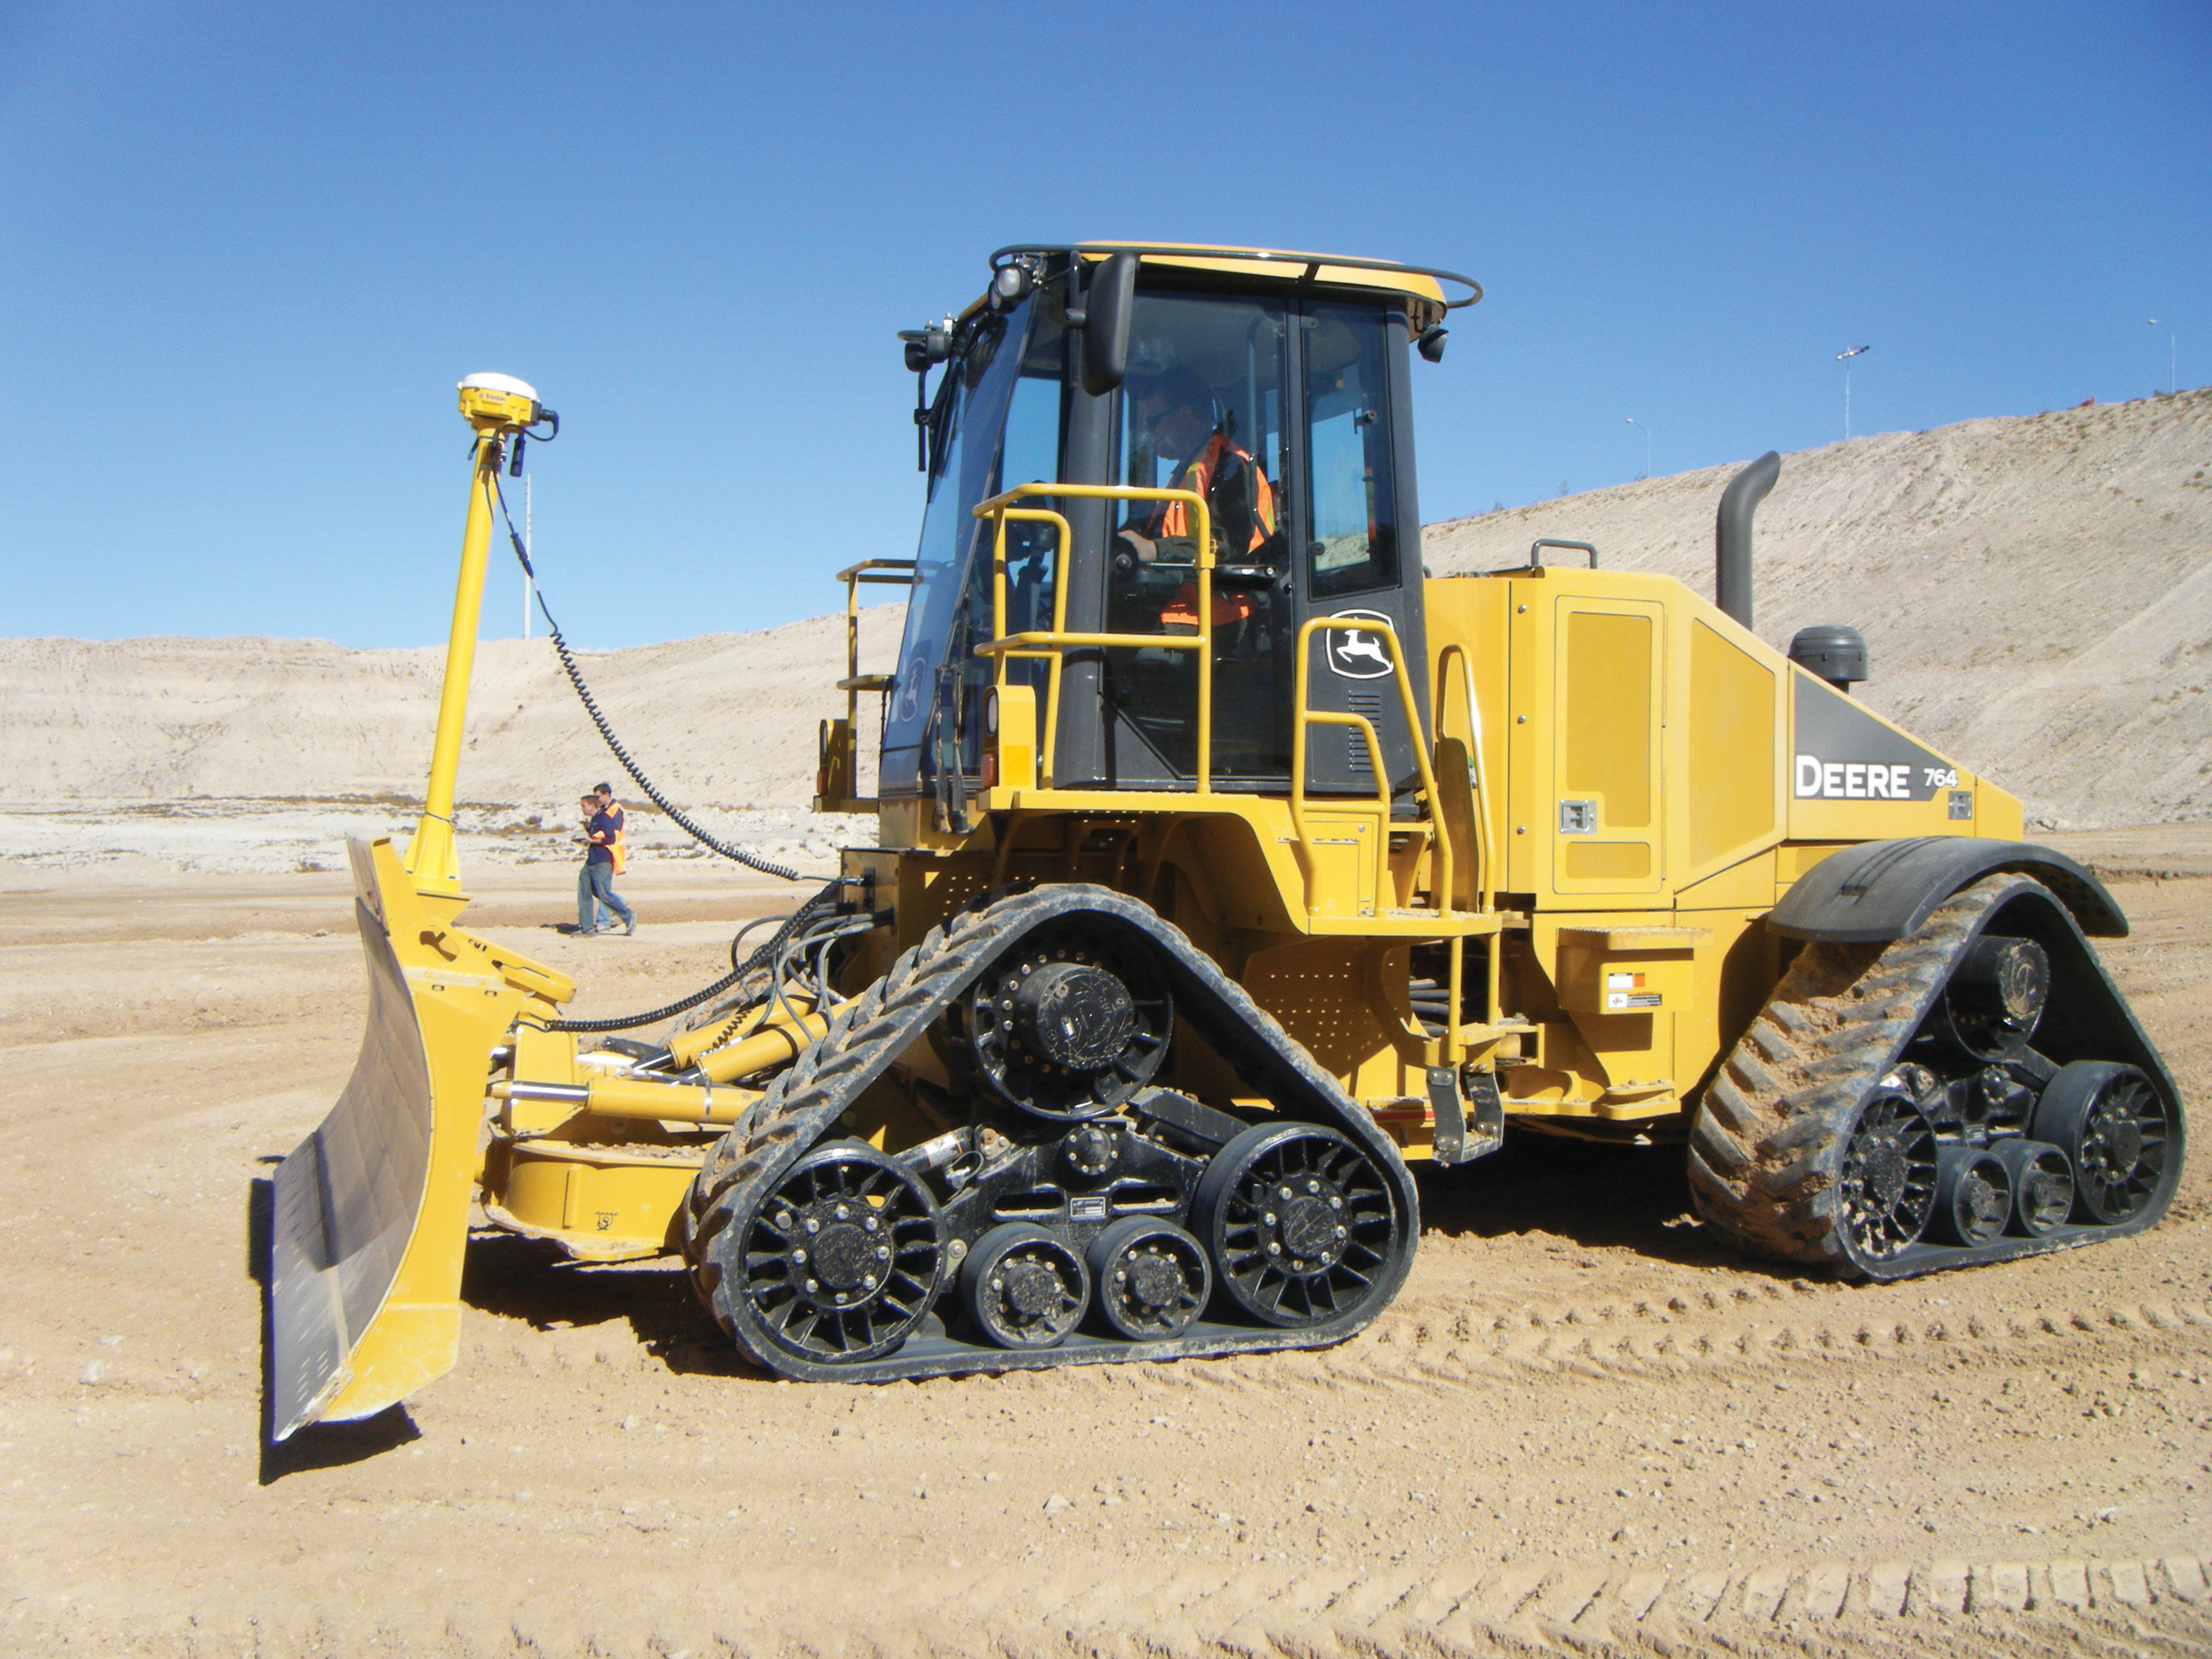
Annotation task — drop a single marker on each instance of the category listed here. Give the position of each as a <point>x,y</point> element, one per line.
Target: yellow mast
<point>498,406</point>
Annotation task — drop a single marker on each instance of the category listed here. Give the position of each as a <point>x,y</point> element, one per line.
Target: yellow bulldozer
<point>1225,866</point>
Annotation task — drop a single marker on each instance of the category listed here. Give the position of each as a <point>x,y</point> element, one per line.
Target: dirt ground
<point>1581,1426</point>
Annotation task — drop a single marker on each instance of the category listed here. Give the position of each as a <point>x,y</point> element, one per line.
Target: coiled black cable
<point>751,860</point>
<point>767,956</point>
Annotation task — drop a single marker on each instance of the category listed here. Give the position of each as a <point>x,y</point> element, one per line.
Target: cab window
<point>1029,453</point>
<point>1349,464</point>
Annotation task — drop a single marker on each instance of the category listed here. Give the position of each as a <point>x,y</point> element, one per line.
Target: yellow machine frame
<point>1613,951</point>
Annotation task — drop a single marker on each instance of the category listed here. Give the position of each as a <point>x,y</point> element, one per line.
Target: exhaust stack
<point>1732,535</point>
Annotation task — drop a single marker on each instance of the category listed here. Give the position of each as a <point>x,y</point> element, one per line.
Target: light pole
<point>1632,421</point>
<point>2172,356</point>
<point>1844,358</point>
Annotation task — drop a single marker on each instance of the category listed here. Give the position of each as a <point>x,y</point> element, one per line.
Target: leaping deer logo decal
<point>1358,653</point>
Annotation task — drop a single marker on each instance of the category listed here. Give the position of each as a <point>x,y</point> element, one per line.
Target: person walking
<point>595,883</point>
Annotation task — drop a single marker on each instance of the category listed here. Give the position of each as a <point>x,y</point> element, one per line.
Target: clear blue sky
<point>248,249</point>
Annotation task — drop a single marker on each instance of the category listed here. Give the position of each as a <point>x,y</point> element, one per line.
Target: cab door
<point>1354,510</point>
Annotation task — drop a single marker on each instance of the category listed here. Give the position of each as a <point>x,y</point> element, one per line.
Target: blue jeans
<point>595,890</point>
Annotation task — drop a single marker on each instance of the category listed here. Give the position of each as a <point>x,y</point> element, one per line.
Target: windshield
<point>970,411</point>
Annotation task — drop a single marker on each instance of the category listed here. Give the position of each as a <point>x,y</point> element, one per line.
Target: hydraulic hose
<point>765,957</point>
<point>751,860</point>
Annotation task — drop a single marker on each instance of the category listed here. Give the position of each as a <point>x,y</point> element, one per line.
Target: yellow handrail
<point>853,575</point>
<point>1058,639</point>
<point>1485,848</point>
<point>1051,646</point>
<point>1485,851</point>
<point>1440,872</point>
<point>1051,659</point>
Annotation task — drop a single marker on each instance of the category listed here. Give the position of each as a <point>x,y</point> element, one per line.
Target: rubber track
<point>806,1099</point>
<point>1767,1148</point>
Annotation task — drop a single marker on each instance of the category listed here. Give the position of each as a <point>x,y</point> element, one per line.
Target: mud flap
<point>372,1210</point>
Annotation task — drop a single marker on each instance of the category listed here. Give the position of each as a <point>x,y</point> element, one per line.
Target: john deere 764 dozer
<point>1225,866</point>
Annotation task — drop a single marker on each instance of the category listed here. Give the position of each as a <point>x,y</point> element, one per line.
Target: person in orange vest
<point>1175,408</point>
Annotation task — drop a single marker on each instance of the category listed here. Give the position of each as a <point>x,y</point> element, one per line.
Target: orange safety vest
<point>1172,519</point>
<point>1197,474</point>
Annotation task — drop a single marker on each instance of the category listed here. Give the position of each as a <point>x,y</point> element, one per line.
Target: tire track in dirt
<point>1433,1343</point>
<point>2070,1606</point>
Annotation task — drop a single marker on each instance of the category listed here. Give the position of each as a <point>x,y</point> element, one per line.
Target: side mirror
<point>927,346</point>
<point>1112,295</point>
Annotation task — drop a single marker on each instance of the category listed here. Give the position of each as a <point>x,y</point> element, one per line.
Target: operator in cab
<point>1174,409</point>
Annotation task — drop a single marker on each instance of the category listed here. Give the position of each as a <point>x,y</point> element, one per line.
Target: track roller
<point>1973,1194</point>
<point>1022,1287</point>
<point>2042,1186</point>
<point>1152,1278</point>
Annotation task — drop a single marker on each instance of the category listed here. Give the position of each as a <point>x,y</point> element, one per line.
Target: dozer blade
<point>372,1210</point>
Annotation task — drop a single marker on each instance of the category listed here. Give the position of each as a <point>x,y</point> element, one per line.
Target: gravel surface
<point>1582,1425</point>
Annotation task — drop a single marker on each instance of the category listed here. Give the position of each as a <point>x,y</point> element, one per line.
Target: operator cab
<point>1276,387</point>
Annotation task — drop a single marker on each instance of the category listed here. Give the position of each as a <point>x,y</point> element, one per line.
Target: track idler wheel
<point>1070,1025</point>
<point>2116,1130</point>
<point>1994,999</point>
<point>1022,1287</point>
<point>840,1261</point>
<point>1299,1222</point>
<point>1889,1178</point>
<point>1973,1194</point>
<point>2042,1186</point>
<point>1152,1278</point>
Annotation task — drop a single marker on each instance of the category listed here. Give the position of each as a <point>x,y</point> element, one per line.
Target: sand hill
<point>2037,592</point>
<point>727,719</point>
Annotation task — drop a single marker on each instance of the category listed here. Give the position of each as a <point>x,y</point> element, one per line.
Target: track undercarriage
<point>1081,1215</point>
<point>1976,1091</point>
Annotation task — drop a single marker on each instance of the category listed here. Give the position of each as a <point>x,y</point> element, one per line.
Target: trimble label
<point>1843,752</point>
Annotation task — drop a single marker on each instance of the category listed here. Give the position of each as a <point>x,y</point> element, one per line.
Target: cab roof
<point>1422,285</point>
